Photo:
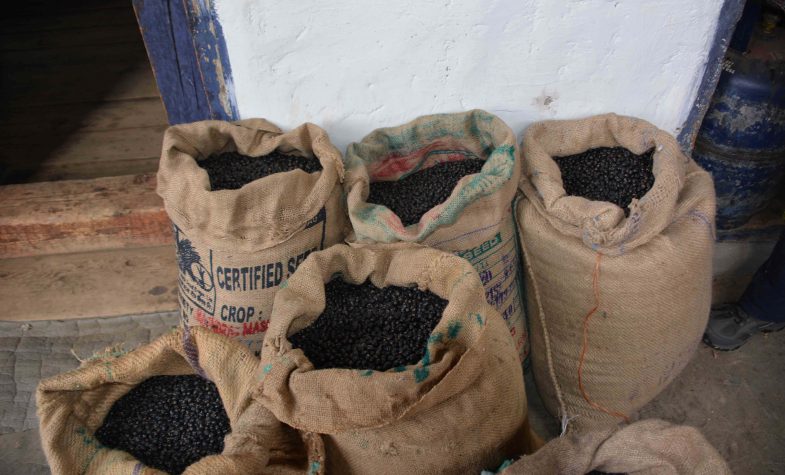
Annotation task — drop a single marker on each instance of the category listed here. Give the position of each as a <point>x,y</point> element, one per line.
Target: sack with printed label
<point>72,406</point>
<point>460,408</point>
<point>234,247</point>
<point>617,304</point>
<point>475,222</point>
<point>648,447</point>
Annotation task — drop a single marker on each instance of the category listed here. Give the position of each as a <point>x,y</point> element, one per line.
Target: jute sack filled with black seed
<point>72,407</point>
<point>447,181</point>
<point>648,447</point>
<point>462,407</point>
<point>235,246</point>
<point>617,305</point>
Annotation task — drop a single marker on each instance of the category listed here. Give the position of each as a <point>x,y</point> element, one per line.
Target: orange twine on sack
<point>586,320</point>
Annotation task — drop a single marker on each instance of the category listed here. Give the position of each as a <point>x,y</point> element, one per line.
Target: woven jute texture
<point>462,407</point>
<point>72,405</point>
<point>617,305</point>
<point>235,247</point>
<point>648,447</point>
<point>475,222</point>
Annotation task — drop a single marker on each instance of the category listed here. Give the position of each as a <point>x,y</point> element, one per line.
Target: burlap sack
<point>461,408</point>
<point>235,247</point>
<point>649,447</point>
<point>476,221</point>
<point>617,306</point>
<point>71,406</point>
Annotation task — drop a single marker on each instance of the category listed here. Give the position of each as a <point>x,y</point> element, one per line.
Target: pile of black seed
<point>232,170</point>
<point>611,174</point>
<point>167,422</point>
<point>366,327</point>
<point>412,196</point>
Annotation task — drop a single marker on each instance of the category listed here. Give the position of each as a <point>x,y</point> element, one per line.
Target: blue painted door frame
<point>185,44</point>
<point>726,24</point>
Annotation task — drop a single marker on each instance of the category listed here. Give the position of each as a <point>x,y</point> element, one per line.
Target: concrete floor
<point>736,399</point>
<point>34,350</point>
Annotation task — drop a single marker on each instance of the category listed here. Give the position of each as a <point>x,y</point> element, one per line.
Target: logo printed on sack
<point>196,281</point>
<point>321,217</point>
<point>496,261</point>
<point>474,253</point>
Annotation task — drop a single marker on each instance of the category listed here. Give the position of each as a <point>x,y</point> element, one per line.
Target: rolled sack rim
<point>602,226</point>
<point>501,171</point>
<point>64,401</point>
<point>247,218</point>
<point>441,366</point>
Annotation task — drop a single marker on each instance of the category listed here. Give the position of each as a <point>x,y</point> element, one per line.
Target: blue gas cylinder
<point>742,138</point>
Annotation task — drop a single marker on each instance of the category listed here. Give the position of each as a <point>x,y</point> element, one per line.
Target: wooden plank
<point>71,84</point>
<point>85,117</point>
<point>81,215</point>
<point>87,170</point>
<point>184,42</point>
<point>102,145</point>
<point>38,20</point>
<point>59,39</point>
<point>136,82</point>
<point>84,285</point>
<point>50,8</point>
<point>80,154</point>
<point>91,57</point>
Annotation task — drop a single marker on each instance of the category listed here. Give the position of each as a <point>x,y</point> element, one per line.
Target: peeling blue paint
<point>742,139</point>
<point>726,22</point>
<point>187,52</point>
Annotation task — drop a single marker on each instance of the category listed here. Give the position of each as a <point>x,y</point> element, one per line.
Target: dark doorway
<point>79,99</point>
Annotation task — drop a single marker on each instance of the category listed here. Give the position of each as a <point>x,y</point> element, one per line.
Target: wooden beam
<point>91,35</point>
<point>88,146</point>
<point>82,117</point>
<point>81,215</point>
<point>50,59</point>
<point>81,154</point>
<point>71,85</point>
<point>88,170</point>
<point>185,44</point>
<point>91,284</point>
<point>48,17</point>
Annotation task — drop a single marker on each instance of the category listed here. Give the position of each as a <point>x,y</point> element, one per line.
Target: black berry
<point>232,170</point>
<point>415,194</point>
<point>612,174</point>
<point>167,422</point>
<point>366,327</point>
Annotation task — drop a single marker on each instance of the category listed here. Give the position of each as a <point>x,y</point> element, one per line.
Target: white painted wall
<point>353,66</point>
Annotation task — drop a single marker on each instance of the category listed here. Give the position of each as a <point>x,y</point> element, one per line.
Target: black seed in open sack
<point>167,422</point>
<point>413,195</point>
<point>367,327</point>
<point>232,170</point>
<point>612,174</point>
